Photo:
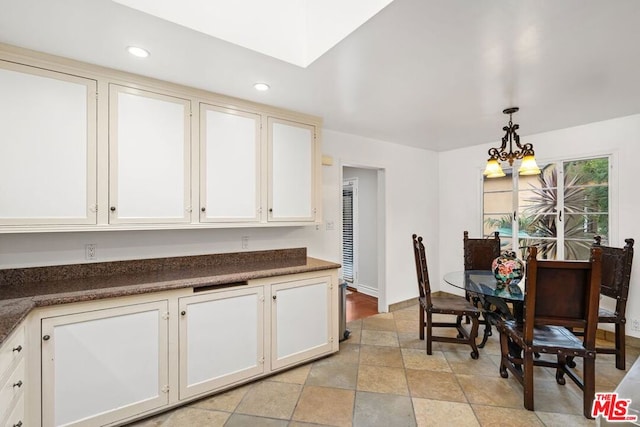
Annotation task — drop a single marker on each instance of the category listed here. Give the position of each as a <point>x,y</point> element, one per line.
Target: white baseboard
<point>368,290</point>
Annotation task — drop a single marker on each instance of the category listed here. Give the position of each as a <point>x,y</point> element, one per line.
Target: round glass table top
<point>484,282</point>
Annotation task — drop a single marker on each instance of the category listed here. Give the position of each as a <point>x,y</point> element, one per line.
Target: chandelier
<point>523,151</point>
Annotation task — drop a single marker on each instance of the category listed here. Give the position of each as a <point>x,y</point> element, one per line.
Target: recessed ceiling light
<point>261,86</point>
<point>138,51</point>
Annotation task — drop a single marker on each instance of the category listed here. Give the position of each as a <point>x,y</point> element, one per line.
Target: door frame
<point>381,229</point>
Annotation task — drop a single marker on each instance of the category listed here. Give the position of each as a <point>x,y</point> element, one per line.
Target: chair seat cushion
<point>548,337</point>
<point>451,304</point>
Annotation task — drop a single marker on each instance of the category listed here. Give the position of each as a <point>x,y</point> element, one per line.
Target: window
<point>559,211</point>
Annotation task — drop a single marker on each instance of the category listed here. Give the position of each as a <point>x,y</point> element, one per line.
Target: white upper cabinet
<point>47,147</point>
<point>149,164</point>
<point>85,148</point>
<point>230,159</point>
<point>292,171</point>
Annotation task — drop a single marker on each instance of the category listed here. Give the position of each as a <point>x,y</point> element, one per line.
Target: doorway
<point>363,239</point>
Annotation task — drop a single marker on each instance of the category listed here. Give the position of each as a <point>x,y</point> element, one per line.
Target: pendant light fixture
<point>523,152</point>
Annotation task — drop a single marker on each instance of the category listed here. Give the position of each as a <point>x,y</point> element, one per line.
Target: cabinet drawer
<point>16,418</point>
<point>11,351</point>
<point>13,386</point>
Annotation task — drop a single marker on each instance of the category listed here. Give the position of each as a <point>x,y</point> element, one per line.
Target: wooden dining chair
<point>558,295</point>
<point>616,275</point>
<point>438,304</point>
<point>479,254</point>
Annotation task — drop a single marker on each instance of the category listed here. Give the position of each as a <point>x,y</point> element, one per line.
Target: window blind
<point>347,234</point>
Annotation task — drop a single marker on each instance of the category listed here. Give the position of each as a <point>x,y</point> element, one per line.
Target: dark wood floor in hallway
<point>360,306</point>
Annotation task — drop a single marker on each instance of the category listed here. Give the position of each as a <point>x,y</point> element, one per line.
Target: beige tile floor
<point>382,377</point>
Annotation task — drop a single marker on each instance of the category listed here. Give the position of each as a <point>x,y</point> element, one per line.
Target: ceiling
<point>295,31</point>
<point>434,74</point>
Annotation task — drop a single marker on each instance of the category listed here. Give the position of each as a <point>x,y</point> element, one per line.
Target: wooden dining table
<point>490,295</point>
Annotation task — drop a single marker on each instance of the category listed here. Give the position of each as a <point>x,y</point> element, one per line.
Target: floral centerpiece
<point>507,269</point>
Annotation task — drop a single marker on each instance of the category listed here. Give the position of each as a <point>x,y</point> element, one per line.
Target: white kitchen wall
<point>460,189</point>
<point>367,221</point>
<point>411,193</point>
<point>410,205</point>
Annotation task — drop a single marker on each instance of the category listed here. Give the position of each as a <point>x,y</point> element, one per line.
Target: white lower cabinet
<point>110,362</point>
<point>104,365</point>
<point>16,417</point>
<point>13,380</point>
<point>301,320</point>
<point>221,339</point>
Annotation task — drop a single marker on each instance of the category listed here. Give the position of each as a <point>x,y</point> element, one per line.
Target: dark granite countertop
<point>21,290</point>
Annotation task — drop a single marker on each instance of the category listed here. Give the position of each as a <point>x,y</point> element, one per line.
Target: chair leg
<point>589,389</point>
<point>421,325</point>
<point>620,346</point>
<point>467,296</point>
<point>459,326</point>
<point>528,380</point>
<point>475,323</point>
<point>429,333</point>
<point>562,362</point>
<point>504,351</point>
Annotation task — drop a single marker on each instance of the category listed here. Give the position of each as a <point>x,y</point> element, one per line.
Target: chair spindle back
<point>480,253</point>
<point>616,272</point>
<point>422,272</point>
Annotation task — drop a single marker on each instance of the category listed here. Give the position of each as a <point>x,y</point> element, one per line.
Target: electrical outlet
<point>90,251</point>
<point>245,242</point>
<point>635,325</point>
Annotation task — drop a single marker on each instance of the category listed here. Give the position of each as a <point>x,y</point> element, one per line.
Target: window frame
<point>560,162</point>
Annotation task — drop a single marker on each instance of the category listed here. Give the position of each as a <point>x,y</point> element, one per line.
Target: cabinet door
<point>105,365</point>
<point>229,165</point>
<point>47,147</point>
<point>221,339</point>
<point>301,321</point>
<point>13,379</point>
<point>16,417</point>
<point>292,160</point>
<point>149,173</point>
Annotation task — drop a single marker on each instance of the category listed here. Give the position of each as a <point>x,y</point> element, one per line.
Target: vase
<point>507,269</point>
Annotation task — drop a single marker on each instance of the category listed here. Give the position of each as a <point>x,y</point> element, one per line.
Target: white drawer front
<point>13,386</point>
<point>11,351</point>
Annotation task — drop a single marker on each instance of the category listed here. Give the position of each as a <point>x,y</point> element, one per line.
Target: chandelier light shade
<point>522,152</point>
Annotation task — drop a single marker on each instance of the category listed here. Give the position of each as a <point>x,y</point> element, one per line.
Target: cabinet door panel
<point>292,171</point>
<point>301,320</point>
<point>221,339</point>
<point>230,164</point>
<point>47,148</point>
<point>16,417</point>
<point>104,365</point>
<point>149,157</point>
